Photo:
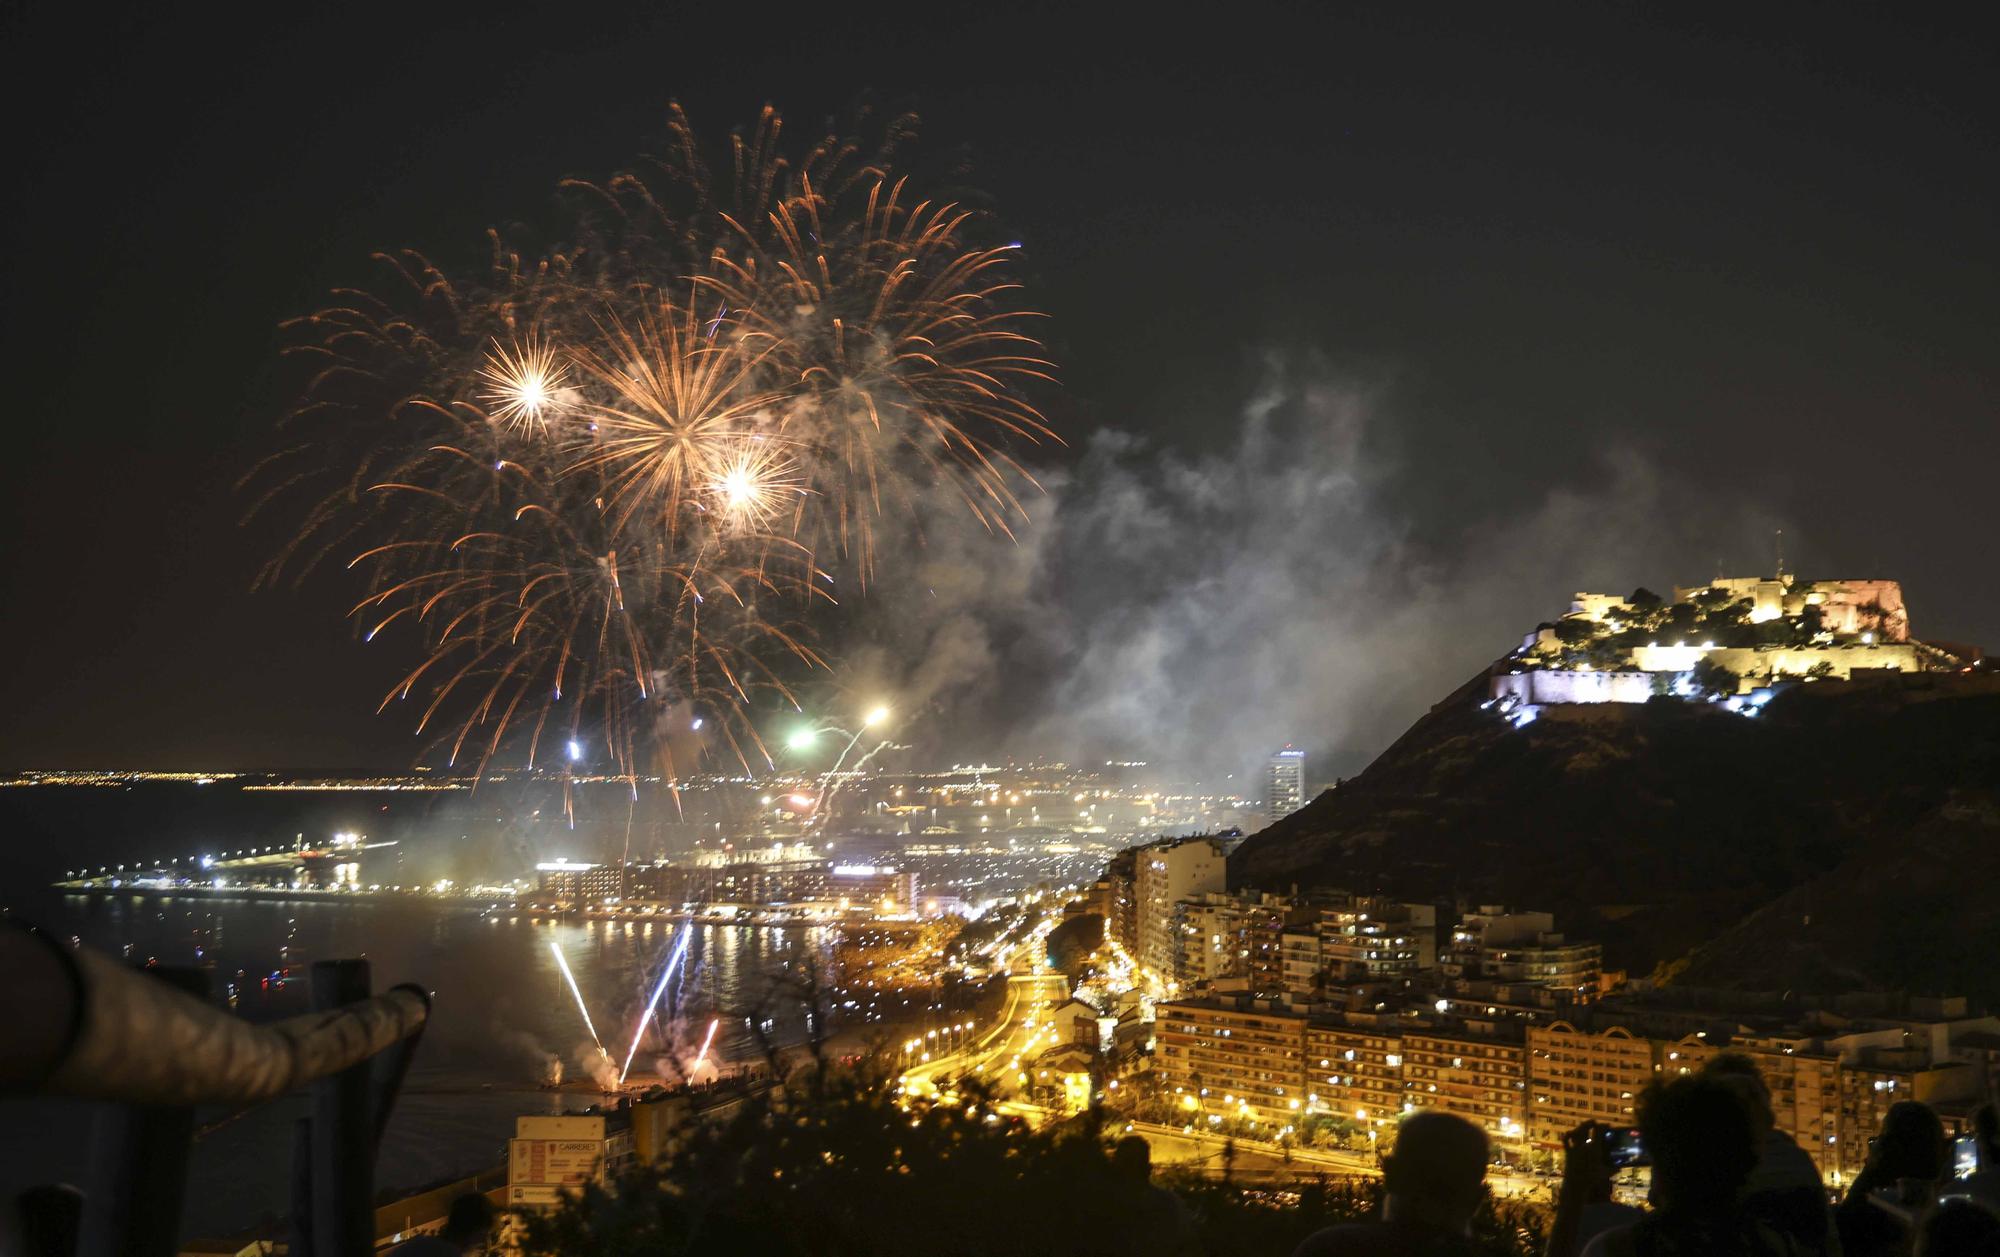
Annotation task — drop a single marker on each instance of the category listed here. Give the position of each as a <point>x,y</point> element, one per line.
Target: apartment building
<point>1879,1078</point>
<point>1521,948</point>
<point>1481,1078</point>
<point>1577,1076</point>
<point>1209,943</point>
<point>1354,1072</point>
<point>1804,1081</point>
<point>1379,939</point>
<point>1303,964</point>
<point>1231,1058</point>
<point>1163,875</point>
<point>1549,961</point>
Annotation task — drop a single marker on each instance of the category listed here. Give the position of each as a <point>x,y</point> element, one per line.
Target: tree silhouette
<point>830,1162</point>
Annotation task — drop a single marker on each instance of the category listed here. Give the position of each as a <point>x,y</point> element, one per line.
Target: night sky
<point>1761,256</point>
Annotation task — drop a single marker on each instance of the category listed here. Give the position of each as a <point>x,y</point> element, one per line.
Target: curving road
<point>1021,1030</point>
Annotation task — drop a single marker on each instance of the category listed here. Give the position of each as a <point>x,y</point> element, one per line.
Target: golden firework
<point>754,485</point>
<point>525,384</point>
<point>616,478</point>
<point>676,396</point>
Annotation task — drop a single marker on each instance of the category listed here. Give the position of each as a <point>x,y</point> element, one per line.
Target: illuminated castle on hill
<point>1730,641</point>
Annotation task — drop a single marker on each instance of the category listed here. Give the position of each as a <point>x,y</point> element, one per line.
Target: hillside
<point>1915,914</point>
<point>1659,827</point>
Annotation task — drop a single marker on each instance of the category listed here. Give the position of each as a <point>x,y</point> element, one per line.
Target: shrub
<point>1711,679</point>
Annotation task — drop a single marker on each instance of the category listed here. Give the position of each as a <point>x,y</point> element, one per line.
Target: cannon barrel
<point>83,1025</point>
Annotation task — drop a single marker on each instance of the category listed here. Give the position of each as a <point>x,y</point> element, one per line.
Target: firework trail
<point>570,978</point>
<point>625,474</point>
<point>832,789</point>
<point>830,782</point>
<point>666,972</point>
<point>706,1041</point>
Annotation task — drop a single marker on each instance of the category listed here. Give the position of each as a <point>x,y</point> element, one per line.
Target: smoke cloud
<point>1205,609</point>
<point>595,1062</point>
<point>547,1065</point>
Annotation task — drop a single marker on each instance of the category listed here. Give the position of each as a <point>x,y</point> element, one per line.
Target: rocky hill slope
<point>1847,837</point>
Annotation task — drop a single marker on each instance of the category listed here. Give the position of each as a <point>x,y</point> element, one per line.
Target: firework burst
<point>623,472</point>
<point>525,386</point>
<point>887,321</point>
<point>754,485</point>
<point>677,396</point>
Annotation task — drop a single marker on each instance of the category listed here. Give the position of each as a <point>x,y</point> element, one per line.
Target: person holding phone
<point>1702,1145</point>
<point>1592,1153</point>
<point>1907,1163</point>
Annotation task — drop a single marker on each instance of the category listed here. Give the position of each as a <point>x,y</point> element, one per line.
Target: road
<point>1173,1146</point>
<point>1021,1030</point>
<point>1181,1149</point>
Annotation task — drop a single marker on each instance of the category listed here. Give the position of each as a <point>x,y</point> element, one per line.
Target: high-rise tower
<point>1285,783</point>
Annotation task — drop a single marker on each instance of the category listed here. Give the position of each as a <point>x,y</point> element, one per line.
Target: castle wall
<point>1596,607</point>
<point>1657,665</point>
<point>1546,686</point>
<point>1766,595</point>
<point>1841,603</point>
<point>1748,661</point>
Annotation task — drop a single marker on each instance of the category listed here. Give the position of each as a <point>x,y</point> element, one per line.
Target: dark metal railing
<point>148,1042</point>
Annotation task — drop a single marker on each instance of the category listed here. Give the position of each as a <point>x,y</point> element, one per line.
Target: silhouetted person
<point>1703,1145</point>
<point>1584,1207</point>
<point>1984,1185</point>
<point>1960,1227</point>
<point>1907,1162</point>
<point>1432,1185</point>
<point>466,1229</point>
<point>1785,1190</point>
<point>1159,1222</point>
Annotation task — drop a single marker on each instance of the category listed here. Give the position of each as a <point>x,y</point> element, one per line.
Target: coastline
<point>478,904</point>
